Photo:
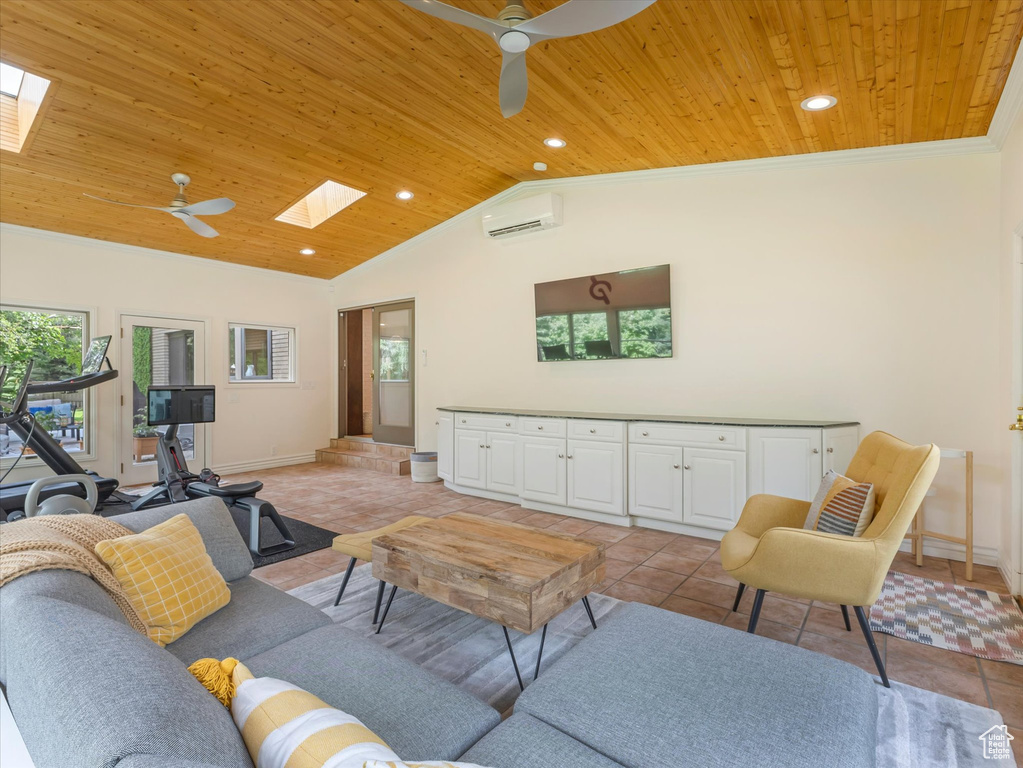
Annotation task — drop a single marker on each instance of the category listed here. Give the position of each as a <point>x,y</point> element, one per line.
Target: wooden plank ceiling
<point>262,100</point>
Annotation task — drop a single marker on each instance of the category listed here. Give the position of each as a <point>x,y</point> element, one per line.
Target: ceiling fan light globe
<point>514,41</point>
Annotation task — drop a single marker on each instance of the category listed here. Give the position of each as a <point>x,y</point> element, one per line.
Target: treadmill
<point>19,421</point>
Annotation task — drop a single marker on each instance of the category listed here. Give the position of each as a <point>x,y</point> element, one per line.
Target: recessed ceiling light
<point>555,143</point>
<point>307,251</point>
<point>404,195</point>
<point>539,166</point>
<point>818,103</point>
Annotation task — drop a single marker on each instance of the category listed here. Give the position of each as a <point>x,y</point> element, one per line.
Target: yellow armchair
<point>770,550</point>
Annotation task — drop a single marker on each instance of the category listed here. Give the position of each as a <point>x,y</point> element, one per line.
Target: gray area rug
<point>916,728</point>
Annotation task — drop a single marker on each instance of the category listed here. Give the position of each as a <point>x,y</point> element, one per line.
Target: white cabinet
<point>785,461</point>
<point>470,458</point>
<point>655,482</point>
<point>839,443</point>
<point>713,487</point>
<point>502,463</point>
<point>596,476</point>
<point>445,445</point>
<point>543,465</point>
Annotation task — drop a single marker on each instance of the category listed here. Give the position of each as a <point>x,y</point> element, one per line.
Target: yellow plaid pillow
<point>168,577</point>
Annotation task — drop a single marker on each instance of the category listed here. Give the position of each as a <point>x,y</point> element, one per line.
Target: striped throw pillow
<point>283,725</point>
<point>848,508</point>
<point>168,577</point>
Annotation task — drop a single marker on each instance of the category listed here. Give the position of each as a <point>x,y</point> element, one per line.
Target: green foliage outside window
<point>52,340</point>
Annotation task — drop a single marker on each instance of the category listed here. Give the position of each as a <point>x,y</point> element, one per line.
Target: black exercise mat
<point>308,538</point>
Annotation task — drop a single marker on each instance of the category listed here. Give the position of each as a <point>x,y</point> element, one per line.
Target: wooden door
<point>394,374</point>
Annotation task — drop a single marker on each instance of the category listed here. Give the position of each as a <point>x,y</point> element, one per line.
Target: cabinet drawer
<point>487,422</point>
<point>690,434</point>
<point>532,425</point>
<point>596,430</point>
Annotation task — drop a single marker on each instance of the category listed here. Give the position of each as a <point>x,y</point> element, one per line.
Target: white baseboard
<point>275,461</point>
<point>952,551</point>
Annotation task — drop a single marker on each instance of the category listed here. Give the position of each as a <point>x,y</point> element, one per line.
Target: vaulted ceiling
<point>262,100</point>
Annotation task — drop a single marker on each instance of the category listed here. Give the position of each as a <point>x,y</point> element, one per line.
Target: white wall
<point>46,269</point>
<point>866,291</point>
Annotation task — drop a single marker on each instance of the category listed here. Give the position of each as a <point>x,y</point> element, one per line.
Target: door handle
<point>816,450</point>
<point>831,450</point>
<point>1019,423</point>
<point>561,455</point>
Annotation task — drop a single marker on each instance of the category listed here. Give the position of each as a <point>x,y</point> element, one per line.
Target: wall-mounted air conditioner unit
<point>518,217</point>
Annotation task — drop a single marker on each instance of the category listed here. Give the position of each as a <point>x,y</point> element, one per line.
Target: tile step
<point>367,447</point>
<point>390,465</point>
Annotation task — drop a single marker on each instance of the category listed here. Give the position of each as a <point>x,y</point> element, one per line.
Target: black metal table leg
<point>845,615</point>
<point>344,581</point>
<point>539,654</point>
<point>390,597</point>
<point>515,664</point>
<point>380,599</point>
<point>589,612</point>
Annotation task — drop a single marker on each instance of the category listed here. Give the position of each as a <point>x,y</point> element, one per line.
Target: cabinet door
<point>713,487</point>
<point>840,443</point>
<point>785,462</point>
<point>596,476</point>
<point>543,469</point>
<point>502,463</point>
<point>470,458</point>
<point>655,482</point>
<point>445,445</point>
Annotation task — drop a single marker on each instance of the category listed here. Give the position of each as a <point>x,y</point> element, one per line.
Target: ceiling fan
<point>515,29</point>
<point>180,207</point>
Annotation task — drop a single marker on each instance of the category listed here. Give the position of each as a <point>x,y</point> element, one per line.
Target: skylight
<point>10,79</point>
<point>319,205</point>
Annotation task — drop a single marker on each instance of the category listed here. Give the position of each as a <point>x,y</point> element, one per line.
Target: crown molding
<point>136,250</point>
<point>887,154</point>
<point>1010,104</point>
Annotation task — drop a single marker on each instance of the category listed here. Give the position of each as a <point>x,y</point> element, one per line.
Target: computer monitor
<point>181,405</point>
<point>95,356</point>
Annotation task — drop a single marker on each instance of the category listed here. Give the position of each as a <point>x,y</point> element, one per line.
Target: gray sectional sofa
<point>648,689</point>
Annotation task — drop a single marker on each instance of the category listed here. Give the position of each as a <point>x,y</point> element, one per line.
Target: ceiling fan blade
<point>514,83</point>
<point>458,16</point>
<point>577,17</point>
<point>130,205</point>
<point>199,227</point>
<point>209,207</point>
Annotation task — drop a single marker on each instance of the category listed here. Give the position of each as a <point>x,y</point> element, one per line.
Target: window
<point>55,340</point>
<point>260,353</point>
<point>624,333</point>
<point>21,97</point>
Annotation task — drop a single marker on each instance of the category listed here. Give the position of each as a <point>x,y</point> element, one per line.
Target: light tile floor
<point>678,573</point>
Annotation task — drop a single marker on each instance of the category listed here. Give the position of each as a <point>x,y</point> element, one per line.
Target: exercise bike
<point>172,406</point>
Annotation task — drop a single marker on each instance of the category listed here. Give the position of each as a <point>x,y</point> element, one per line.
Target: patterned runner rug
<point>964,619</point>
<point>916,728</point>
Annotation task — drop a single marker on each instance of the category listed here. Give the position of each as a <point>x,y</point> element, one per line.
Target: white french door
<point>157,351</point>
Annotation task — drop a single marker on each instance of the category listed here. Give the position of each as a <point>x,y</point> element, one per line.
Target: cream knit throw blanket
<point>66,542</point>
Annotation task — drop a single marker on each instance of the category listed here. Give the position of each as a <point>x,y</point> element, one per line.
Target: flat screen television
<point>181,405</point>
<point>615,316</point>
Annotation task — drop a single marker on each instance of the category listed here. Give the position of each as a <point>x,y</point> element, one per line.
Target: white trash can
<point>424,467</point>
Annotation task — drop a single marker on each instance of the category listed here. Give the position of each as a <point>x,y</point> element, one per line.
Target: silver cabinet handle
<point>645,434</point>
<point>831,450</point>
<point>507,423</point>
<point>593,431</point>
<point>463,421</point>
<point>561,455</point>
<point>721,438</point>
<point>685,467</point>
<point>436,423</point>
<point>676,466</point>
<point>482,446</point>
<point>816,450</point>
<point>488,446</point>
<point>540,427</point>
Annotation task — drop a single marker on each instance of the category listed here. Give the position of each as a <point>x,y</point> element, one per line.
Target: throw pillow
<point>848,508</point>
<point>818,501</point>
<point>168,577</point>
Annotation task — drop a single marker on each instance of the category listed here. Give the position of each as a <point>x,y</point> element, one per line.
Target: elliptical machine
<point>172,406</point>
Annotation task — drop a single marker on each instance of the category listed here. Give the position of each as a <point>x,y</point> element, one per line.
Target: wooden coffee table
<point>515,575</point>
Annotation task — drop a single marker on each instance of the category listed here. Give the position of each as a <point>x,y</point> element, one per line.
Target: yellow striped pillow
<point>285,727</point>
<point>168,577</point>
